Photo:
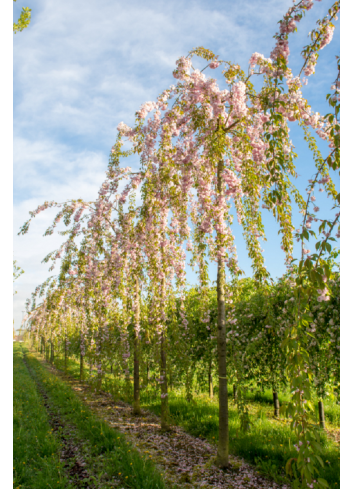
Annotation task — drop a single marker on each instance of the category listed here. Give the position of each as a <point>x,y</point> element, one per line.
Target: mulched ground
<point>183,459</point>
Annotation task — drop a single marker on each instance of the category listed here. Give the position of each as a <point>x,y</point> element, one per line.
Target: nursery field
<point>88,452</point>
<point>164,352</point>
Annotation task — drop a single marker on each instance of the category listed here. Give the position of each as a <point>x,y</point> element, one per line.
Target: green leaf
<point>322,482</point>
<point>320,460</point>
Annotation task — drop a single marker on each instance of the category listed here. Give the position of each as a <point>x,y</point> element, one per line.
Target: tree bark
<point>276,404</point>
<point>136,406</point>
<point>223,441</point>
<point>321,414</point>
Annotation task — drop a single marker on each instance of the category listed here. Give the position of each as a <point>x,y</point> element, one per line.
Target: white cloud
<point>83,66</point>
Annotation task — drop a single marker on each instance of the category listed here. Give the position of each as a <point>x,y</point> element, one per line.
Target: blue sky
<point>82,67</point>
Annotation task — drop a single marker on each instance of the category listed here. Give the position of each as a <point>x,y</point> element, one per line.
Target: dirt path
<point>183,459</point>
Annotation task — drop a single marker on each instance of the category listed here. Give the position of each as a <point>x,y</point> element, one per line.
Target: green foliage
<point>23,21</point>
<point>17,272</point>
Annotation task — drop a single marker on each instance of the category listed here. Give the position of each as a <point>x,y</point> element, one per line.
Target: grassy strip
<point>268,443</point>
<point>255,396</point>
<point>332,409</point>
<point>36,451</point>
<point>121,461</point>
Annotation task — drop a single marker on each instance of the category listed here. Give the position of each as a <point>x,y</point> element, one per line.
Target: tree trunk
<point>223,441</point>
<point>136,406</point>
<point>321,415</point>
<point>82,372</point>
<point>210,380</point>
<point>147,373</point>
<point>65,362</point>
<point>188,383</point>
<point>51,352</point>
<point>164,386</point>
<point>276,404</point>
<point>163,368</point>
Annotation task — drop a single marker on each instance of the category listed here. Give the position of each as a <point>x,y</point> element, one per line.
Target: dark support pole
<point>210,380</point>
<point>65,358</point>
<point>81,368</point>
<point>276,404</point>
<point>321,415</point>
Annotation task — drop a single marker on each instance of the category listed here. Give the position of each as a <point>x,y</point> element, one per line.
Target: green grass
<point>268,443</point>
<point>105,444</point>
<point>36,451</point>
<point>332,409</point>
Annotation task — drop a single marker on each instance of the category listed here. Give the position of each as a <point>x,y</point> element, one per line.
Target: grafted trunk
<point>321,414</point>
<point>136,406</point>
<point>223,441</point>
<point>210,380</point>
<point>276,404</point>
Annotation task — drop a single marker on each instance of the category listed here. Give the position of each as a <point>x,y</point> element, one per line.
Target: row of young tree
<point>206,155</point>
<point>257,318</point>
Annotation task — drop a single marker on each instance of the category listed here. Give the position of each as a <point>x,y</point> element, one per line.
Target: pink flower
<point>214,64</point>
